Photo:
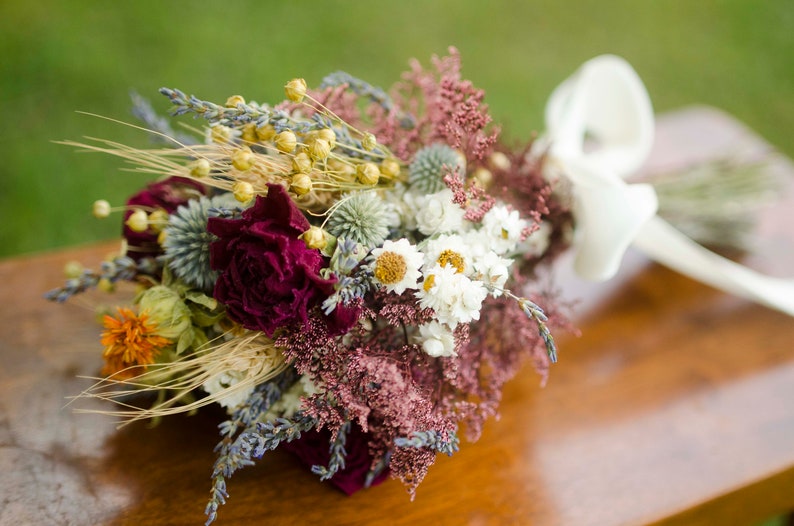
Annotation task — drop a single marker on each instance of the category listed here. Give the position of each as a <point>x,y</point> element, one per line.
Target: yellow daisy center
<point>450,257</point>
<point>390,268</point>
<point>429,281</point>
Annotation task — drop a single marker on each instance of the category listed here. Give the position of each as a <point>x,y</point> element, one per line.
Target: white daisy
<point>437,340</point>
<point>493,270</point>
<point>504,227</point>
<point>396,265</point>
<point>438,214</point>
<point>453,296</point>
<point>537,242</point>
<point>448,250</point>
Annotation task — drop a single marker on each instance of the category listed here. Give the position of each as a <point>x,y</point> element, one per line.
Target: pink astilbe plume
<point>447,109</point>
<point>370,384</point>
<point>472,198</point>
<point>383,382</point>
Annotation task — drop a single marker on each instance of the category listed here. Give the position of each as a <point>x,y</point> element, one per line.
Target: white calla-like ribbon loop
<point>600,129</point>
<point>660,241</point>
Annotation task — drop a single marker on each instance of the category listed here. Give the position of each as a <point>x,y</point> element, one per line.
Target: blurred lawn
<point>60,56</point>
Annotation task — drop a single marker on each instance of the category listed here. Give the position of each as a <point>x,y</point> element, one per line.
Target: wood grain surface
<point>674,406</point>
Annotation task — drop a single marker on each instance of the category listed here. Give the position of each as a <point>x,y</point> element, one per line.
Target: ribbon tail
<point>664,244</point>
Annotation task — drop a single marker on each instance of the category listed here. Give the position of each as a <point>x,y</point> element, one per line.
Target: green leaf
<point>185,341</point>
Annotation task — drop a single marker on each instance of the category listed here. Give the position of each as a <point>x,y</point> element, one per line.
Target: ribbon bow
<point>600,130</point>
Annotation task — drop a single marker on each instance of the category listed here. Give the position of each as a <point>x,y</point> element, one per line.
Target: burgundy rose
<point>268,277</point>
<point>168,195</point>
<point>312,449</point>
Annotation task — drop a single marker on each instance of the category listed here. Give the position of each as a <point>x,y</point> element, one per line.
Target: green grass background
<point>57,57</point>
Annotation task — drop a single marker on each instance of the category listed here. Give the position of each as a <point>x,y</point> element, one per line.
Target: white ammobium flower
<point>224,381</point>
<point>537,242</point>
<point>396,265</point>
<point>454,297</point>
<point>606,100</point>
<point>448,250</point>
<point>504,227</point>
<point>437,214</point>
<point>477,243</point>
<point>493,270</point>
<point>437,340</point>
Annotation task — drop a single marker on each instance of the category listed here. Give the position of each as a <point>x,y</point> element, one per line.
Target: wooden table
<point>675,406</point>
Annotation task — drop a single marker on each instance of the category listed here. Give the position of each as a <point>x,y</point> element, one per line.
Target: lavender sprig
<point>160,126</point>
<point>430,439</point>
<point>373,473</point>
<point>269,435</point>
<point>536,313</point>
<point>365,89</point>
<point>121,268</point>
<point>231,453</point>
<point>359,87</point>
<point>258,403</point>
<point>215,113</point>
<point>353,281</point>
<point>338,454</point>
<point>260,115</point>
<point>348,290</point>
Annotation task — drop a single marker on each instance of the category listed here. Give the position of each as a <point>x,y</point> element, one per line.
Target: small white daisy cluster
<point>454,268</point>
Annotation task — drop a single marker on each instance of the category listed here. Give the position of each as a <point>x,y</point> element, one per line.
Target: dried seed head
<point>327,134</point>
<point>286,141</point>
<point>342,169</point>
<point>367,173</point>
<point>199,168</point>
<point>315,238</point>
<point>221,134</point>
<point>369,142</point>
<point>158,219</point>
<point>301,184</point>
<point>73,269</point>
<point>138,221</point>
<point>249,132</point>
<point>101,209</point>
<point>301,163</point>
<point>234,100</point>
<point>390,168</point>
<point>499,161</point>
<point>105,285</point>
<point>243,191</point>
<point>295,90</point>
<point>319,149</point>
<point>266,132</point>
<point>482,177</point>
<point>243,158</point>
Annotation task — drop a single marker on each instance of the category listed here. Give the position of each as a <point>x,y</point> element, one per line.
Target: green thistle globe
<point>427,169</point>
<point>362,217</point>
<point>187,242</point>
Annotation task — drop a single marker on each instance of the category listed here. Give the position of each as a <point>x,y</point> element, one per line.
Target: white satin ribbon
<point>600,130</point>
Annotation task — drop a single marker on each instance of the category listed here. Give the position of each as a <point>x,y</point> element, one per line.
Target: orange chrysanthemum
<point>129,341</point>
